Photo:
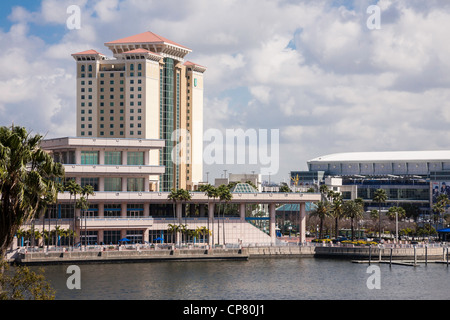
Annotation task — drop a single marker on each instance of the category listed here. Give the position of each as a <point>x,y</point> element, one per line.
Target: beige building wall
<point>87,98</point>
<point>125,101</point>
<point>196,120</point>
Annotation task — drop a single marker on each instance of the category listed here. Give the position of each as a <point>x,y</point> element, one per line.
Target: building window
<point>135,158</point>
<point>134,210</point>
<point>111,236</point>
<point>135,184</point>
<point>89,157</point>
<point>90,181</point>
<point>113,157</point>
<point>113,184</point>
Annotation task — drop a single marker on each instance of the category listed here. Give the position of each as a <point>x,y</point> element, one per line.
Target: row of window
<point>113,157</point>
<point>111,133</point>
<point>102,97</point>
<point>102,75</point>
<point>90,69</point>
<point>115,184</point>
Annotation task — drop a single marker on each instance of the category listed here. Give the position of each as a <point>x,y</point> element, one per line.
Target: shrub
<point>322,240</point>
<point>359,242</point>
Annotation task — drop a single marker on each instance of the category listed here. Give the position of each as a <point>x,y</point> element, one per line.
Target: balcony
<point>107,170</point>
<point>115,222</point>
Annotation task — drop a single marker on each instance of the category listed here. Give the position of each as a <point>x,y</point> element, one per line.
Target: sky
<point>312,70</point>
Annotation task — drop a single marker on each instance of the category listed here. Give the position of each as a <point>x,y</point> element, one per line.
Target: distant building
<point>410,177</point>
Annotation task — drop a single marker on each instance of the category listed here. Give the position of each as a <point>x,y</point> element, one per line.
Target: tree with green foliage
<point>211,192</point>
<point>172,229</point>
<point>86,191</point>
<point>74,189</point>
<point>27,181</point>
<point>24,284</point>
<point>285,188</point>
<point>396,213</point>
<point>379,197</point>
<point>337,211</point>
<point>177,196</point>
<point>354,211</point>
<point>321,211</point>
<point>440,206</point>
<point>224,195</point>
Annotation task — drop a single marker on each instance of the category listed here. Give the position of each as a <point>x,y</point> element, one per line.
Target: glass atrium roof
<point>243,188</point>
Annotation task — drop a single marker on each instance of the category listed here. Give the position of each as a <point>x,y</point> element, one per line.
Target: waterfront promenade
<point>142,253</point>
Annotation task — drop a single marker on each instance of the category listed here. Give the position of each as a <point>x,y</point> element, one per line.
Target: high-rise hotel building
<point>146,91</point>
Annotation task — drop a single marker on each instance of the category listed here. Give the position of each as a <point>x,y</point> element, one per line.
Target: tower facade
<point>146,91</point>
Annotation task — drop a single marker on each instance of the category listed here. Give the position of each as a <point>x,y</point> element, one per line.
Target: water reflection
<point>256,279</point>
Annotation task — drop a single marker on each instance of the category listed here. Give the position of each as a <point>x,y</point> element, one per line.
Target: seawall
<point>80,257</point>
<point>352,253</point>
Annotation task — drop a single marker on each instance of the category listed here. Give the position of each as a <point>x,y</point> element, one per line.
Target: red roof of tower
<point>92,51</point>
<point>144,38</point>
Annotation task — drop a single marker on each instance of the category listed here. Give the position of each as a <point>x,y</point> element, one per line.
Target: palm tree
<point>353,210</point>
<point>172,229</point>
<point>83,205</point>
<point>207,189</point>
<point>322,211</point>
<point>441,204</point>
<point>52,199</point>
<point>337,211</point>
<point>178,195</point>
<point>211,192</point>
<point>395,213</point>
<point>224,194</point>
<point>59,233</point>
<point>87,191</point>
<point>203,231</point>
<point>74,189</point>
<point>27,175</point>
<point>379,197</point>
<point>182,228</point>
<point>323,191</point>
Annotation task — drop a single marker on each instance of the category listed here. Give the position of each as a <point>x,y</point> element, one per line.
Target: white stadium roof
<point>391,156</point>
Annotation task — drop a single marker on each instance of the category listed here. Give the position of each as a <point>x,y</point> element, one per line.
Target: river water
<point>255,279</point>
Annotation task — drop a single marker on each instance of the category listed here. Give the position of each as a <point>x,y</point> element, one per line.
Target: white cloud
<point>312,70</point>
